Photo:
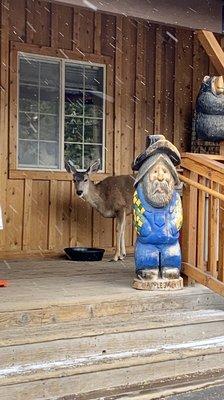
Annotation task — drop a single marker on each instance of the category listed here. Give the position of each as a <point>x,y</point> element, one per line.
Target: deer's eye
<point>85,180</point>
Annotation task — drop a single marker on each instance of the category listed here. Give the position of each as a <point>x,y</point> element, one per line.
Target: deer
<point>111,197</point>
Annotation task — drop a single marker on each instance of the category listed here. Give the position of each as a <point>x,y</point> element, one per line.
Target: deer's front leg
<point>119,222</point>
<point>123,250</point>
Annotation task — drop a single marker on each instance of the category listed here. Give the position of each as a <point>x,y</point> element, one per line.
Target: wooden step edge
<point>159,389</point>
<point>168,300</point>
<point>101,362</point>
<point>119,307</point>
<point>102,326</point>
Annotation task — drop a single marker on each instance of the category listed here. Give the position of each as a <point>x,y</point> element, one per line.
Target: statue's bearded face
<point>158,184</point>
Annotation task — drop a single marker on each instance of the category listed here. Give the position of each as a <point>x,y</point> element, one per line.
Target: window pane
<point>28,71</point>
<point>73,102</point>
<point>73,129</point>
<point>28,126</point>
<point>49,73</point>
<point>92,153</point>
<point>74,76</point>
<point>28,153</point>
<point>93,130</point>
<point>28,98</point>
<point>93,105</point>
<point>48,127</point>
<point>74,152</point>
<point>49,101</point>
<point>48,154</point>
<point>94,78</point>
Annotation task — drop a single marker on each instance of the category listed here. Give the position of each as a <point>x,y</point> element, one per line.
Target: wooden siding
<point>152,79</point>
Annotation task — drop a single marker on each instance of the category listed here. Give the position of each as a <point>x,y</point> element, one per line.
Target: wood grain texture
<point>150,85</point>
<point>183,90</point>
<point>4,81</point>
<point>213,49</point>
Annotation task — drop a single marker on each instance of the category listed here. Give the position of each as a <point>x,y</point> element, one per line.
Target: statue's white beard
<point>158,193</point>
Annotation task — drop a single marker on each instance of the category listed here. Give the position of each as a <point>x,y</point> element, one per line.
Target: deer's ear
<point>69,166</point>
<point>94,167</point>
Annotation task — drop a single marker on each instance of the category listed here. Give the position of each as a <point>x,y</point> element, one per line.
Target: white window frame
<point>62,62</point>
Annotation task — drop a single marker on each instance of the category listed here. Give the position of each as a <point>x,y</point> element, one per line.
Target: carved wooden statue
<point>209,115</point>
<point>157,216</point>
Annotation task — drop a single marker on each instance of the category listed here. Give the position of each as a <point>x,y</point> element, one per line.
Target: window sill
<point>49,175</point>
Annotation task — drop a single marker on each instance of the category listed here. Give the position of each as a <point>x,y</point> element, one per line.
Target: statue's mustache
<point>158,186</point>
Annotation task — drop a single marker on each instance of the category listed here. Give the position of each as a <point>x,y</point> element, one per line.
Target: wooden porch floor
<point>34,283</point>
<point>83,322</point>
<point>43,292</point>
<point>41,283</point>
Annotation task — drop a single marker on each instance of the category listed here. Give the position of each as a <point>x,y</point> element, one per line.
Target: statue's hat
<point>157,144</point>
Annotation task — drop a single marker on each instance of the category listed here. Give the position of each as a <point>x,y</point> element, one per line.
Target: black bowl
<point>84,253</point>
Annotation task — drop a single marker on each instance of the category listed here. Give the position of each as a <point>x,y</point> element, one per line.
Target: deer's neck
<point>94,198</point>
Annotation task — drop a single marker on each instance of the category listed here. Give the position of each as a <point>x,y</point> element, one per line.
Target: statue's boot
<point>170,273</point>
<point>148,274</point>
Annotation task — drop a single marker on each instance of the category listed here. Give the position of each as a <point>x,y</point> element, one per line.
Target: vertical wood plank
<point>183,90</point>
<point>14,214</point>
<point>62,27</point>
<point>97,33</point>
<point>221,224</point>
<point>54,25</point>
<point>212,232</point>
<point>76,29</point>
<point>201,226</point>
<point>39,216</point>
<point>189,230</point>
<point>221,240</point>
<point>17,20</point>
<point>158,79</point>
<point>140,91</point>
<point>108,35</point>
<point>150,78</point>
<point>86,31</point>
<point>128,104</point>
<point>168,71</point>
<point>4,38</point>
<point>13,115</point>
<point>38,22</point>
<point>52,214</point>
<point>27,222</point>
<point>118,90</point>
<point>109,129</point>
<point>62,227</point>
<point>128,95</point>
<point>73,216</point>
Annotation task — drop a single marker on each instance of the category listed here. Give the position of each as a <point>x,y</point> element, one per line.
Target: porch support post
<point>213,49</point>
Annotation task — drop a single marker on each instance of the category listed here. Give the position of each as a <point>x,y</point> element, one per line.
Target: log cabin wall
<point>154,75</point>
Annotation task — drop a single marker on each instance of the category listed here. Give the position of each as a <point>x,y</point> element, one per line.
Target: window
<point>61,113</point>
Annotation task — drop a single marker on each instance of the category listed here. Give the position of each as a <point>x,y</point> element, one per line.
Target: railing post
<point>221,230</point>
<point>189,230</point>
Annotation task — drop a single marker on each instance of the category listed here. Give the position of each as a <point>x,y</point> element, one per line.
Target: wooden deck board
<point>36,284</point>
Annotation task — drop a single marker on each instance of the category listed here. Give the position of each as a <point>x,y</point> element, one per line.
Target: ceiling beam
<point>213,49</point>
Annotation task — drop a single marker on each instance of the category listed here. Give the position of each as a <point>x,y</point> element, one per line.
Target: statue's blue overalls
<point>157,244</point>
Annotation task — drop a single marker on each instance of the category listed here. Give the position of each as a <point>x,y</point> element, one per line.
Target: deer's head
<point>82,178</point>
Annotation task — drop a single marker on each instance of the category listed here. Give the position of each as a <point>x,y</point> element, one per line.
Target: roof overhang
<point>193,14</point>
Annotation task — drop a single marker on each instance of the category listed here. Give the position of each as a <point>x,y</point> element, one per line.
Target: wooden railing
<point>202,236</point>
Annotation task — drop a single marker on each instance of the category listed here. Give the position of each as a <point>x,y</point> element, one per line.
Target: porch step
<point>72,310</point>
<point>106,354</point>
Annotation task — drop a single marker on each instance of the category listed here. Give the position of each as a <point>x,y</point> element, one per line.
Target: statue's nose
<point>160,176</point>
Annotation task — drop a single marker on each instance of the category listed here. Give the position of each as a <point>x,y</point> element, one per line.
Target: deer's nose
<point>79,192</point>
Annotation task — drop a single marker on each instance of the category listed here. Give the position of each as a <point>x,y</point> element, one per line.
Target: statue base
<point>158,285</point>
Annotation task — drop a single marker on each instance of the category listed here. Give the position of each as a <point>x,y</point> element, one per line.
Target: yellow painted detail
<point>178,212</point>
<point>138,212</point>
